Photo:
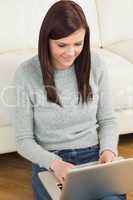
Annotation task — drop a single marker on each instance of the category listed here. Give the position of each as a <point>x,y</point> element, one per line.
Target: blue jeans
<point>75,156</point>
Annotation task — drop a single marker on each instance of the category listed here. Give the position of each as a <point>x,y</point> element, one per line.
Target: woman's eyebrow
<point>68,43</point>
<point>79,41</point>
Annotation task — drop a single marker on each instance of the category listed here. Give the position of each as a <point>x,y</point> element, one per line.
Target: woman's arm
<point>23,124</point>
<point>108,134</point>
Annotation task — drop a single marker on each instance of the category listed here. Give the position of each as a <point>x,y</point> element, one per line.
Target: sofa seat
<point>7,136</point>
<point>122,48</point>
<point>124,121</point>
<point>120,70</point>
<point>9,61</point>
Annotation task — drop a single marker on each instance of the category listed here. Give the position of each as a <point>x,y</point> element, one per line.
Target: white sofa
<point>111,38</point>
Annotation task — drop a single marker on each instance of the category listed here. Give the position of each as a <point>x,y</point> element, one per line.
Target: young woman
<point>64,114</point>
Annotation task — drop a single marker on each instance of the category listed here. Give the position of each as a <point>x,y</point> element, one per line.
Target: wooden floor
<point>15,173</point>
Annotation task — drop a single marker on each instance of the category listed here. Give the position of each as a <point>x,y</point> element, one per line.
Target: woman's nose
<point>71,51</point>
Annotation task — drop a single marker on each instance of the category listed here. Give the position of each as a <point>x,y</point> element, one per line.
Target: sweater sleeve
<point>23,122</point>
<point>107,128</point>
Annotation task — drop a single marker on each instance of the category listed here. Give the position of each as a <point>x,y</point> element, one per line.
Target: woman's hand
<point>61,169</point>
<point>107,156</point>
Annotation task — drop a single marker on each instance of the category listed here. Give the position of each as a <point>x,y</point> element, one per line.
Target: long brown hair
<point>62,19</point>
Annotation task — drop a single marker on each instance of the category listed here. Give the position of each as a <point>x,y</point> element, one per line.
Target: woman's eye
<point>61,45</point>
<point>64,45</point>
<point>78,44</point>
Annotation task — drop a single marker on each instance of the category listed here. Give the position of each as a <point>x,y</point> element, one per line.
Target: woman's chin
<point>67,64</point>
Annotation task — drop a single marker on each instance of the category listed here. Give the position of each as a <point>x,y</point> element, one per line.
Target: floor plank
<point>15,178</point>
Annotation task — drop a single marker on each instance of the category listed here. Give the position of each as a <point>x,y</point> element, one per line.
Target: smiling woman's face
<point>64,51</point>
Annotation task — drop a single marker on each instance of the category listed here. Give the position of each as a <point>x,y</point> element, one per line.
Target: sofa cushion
<point>12,26</point>
<point>121,79</point>
<point>9,63</point>
<point>123,48</point>
<point>115,20</point>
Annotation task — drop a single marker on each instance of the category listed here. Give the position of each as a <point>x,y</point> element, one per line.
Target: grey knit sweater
<point>41,125</point>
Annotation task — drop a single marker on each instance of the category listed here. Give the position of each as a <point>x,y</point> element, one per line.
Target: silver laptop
<point>91,181</point>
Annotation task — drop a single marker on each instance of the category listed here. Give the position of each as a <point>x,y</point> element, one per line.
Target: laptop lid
<point>93,181</point>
